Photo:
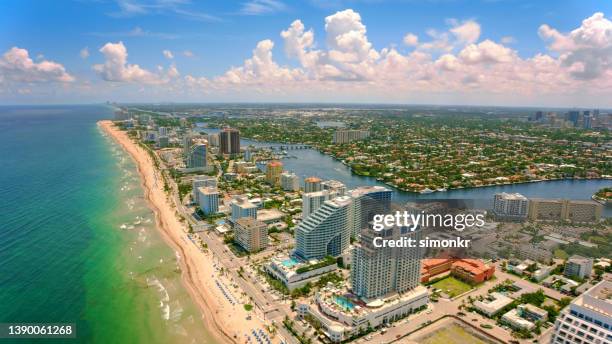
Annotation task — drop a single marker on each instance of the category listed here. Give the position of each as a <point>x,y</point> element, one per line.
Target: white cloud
<point>84,53</point>
<point>116,68</point>
<point>188,53</point>
<point>486,52</point>
<point>411,39</point>
<point>259,7</point>
<point>16,65</point>
<point>260,68</point>
<point>585,51</point>
<point>467,32</point>
<point>455,65</point>
<point>168,54</point>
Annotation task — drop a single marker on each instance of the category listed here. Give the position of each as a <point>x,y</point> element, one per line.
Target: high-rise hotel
<point>377,272</point>
<point>587,319</point>
<point>326,232</point>
<point>229,141</point>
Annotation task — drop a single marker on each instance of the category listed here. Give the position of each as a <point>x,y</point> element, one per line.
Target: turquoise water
<point>344,303</point>
<point>78,243</point>
<point>291,262</point>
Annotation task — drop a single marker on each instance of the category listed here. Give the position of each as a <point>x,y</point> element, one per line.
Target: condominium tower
<point>242,207</point>
<point>251,234</point>
<point>229,141</point>
<point>377,272</point>
<point>312,184</point>
<point>587,319</point>
<point>326,232</point>
<point>290,182</point>
<point>510,206</point>
<point>197,156</point>
<point>274,169</point>
<point>367,202</point>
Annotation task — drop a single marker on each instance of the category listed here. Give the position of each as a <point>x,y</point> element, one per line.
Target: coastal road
<point>231,263</point>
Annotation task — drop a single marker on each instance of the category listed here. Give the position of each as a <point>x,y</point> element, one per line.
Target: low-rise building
<point>295,273</point>
<point>470,270</point>
<point>343,315</point>
<point>533,252</point>
<point>524,317</point>
<point>492,304</point>
<point>269,216</point>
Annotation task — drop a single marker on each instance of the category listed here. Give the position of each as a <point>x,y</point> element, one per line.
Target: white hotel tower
<point>377,272</point>
<point>588,319</point>
<point>326,232</point>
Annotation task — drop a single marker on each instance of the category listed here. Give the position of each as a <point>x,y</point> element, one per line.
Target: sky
<point>447,52</point>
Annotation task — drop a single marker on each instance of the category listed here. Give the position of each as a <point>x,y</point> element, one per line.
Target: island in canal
<point>604,196</point>
<point>423,149</point>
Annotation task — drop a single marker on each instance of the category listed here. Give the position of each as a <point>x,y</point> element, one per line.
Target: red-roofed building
<point>470,270</point>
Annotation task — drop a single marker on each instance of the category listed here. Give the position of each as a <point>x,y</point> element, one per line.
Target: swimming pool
<point>291,262</point>
<point>344,302</point>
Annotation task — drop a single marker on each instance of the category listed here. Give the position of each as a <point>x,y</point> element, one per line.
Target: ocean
<point>78,243</point>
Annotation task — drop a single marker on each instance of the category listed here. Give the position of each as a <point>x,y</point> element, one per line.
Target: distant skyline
<point>488,52</point>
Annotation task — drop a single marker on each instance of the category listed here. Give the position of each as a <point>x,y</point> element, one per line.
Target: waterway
<point>310,162</point>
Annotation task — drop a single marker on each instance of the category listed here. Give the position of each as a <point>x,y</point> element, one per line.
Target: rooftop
<point>312,180</point>
<point>513,196</point>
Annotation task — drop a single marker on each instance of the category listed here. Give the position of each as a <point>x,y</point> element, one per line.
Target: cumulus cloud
<point>117,69</point>
<point>467,32</point>
<point>341,63</point>
<point>168,54</point>
<point>411,39</point>
<point>345,61</point>
<point>486,52</point>
<point>260,68</point>
<point>16,65</point>
<point>585,51</point>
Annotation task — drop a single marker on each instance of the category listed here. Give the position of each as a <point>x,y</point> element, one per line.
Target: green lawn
<point>559,253</point>
<point>452,334</point>
<point>451,286</point>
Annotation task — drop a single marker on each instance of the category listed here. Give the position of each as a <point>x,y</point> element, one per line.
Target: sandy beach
<point>227,322</point>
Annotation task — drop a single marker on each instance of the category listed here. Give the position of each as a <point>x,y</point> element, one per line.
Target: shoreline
<point>195,273</point>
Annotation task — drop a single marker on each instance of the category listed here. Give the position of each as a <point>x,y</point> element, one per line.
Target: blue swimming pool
<point>344,302</point>
<point>290,262</point>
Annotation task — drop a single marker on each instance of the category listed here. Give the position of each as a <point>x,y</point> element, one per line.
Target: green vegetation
<point>536,298</point>
<point>184,189</point>
<point>324,262</point>
<point>602,240</point>
<point>445,149</point>
<point>559,253</point>
<point>248,307</point>
<point>322,282</point>
<point>452,286</point>
<point>604,194</point>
